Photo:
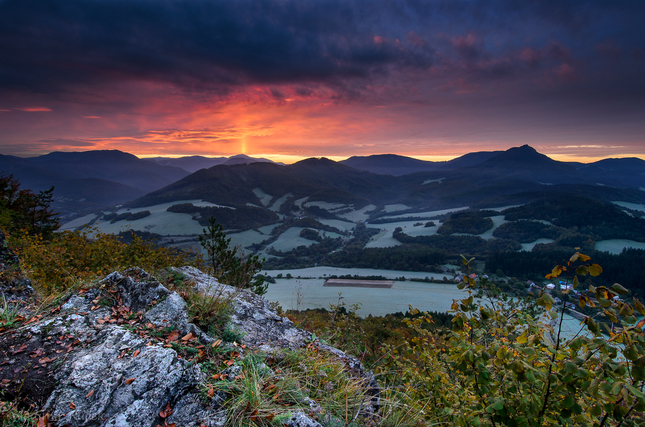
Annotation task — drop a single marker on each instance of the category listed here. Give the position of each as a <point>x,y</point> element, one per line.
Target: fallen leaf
<point>136,353</point>
<point>217,343</point>
<point>34,319</point>
<point>187,337</point>
<point>71,405</point>
<point>21,349</point>
<point>90,394</point>
<point>166,412</point>
<point>211,392</point>
<point>43,421</point>
<point>129,381</point>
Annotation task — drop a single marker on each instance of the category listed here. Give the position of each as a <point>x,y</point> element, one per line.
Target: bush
<point>505,363</point>
<point>74,256</point>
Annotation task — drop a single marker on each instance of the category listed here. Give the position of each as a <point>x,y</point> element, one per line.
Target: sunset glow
<point>292,80</point>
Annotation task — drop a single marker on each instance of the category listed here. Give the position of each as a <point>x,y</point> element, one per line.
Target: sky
<point>290,79</point>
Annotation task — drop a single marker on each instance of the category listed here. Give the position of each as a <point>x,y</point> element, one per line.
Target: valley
<point>318,213</point>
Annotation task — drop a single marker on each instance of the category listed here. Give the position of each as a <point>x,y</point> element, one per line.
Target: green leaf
<point>638,373</point>
<point>636,392</point>
<point>568,401</point>
<point>616,287</point>
<point>604,302</point>
<point>593,326</point>
<point>583,270</point>
<point>639,306</point>
<point>497,406</point>
<point>631,352</point>
<point>626,310</point>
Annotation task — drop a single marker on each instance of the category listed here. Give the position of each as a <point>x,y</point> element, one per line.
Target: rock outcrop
<point>125,353</point>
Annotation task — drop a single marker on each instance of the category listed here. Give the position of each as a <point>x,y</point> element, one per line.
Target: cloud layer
<point>306,77</point>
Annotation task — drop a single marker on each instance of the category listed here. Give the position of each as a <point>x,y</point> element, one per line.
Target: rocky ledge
<point>126,353</point>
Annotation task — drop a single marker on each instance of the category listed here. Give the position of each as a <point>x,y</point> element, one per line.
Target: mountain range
<point>515,175</point>
<point>94,179</point>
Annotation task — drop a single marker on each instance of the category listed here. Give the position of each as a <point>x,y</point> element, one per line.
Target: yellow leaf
<point>582,302</point>
<point>595,270</point>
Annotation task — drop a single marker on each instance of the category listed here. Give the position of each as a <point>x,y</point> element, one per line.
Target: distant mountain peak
<point>523,154</point>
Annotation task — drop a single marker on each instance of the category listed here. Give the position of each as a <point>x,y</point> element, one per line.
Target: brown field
<point>357,283</point>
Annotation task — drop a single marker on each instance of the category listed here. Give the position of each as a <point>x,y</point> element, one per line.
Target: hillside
<point>86,181</point>
<point>257,202</point>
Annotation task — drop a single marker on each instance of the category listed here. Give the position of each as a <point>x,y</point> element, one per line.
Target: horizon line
<point>291,158</point>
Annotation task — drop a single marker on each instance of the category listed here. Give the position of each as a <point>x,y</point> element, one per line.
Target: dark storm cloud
<point>47,44</point>
<point>201,45</point>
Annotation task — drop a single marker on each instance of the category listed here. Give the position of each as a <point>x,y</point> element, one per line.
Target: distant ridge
<point>194,163</point>
<point>389,164</point>
<point>393,164</point>
<point>94,179</point>
<point>90,179</point>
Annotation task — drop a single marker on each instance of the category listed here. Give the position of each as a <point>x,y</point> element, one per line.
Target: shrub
<point>70,257</point>
<point>505,364</point>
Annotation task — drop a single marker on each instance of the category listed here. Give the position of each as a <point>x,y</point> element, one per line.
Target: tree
<point>230,264</point>
<point>22,209</point>
<point>504,364</point>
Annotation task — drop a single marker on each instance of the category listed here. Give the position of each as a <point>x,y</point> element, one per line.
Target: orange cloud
<point>34,109</point>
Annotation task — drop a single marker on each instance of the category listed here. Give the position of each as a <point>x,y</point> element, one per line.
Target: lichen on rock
<point>126,354</point>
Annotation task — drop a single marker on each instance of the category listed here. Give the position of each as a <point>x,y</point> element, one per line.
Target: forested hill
<point>518,175</point>
<point>319,179</point>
